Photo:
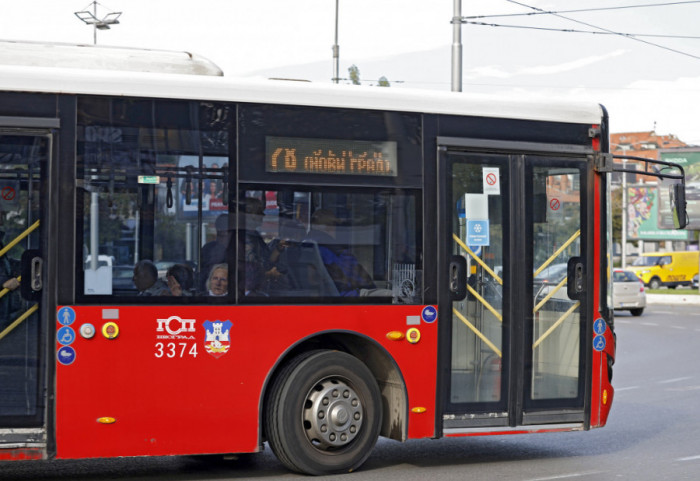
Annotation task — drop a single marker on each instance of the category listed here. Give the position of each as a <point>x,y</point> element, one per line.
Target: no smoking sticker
<point>492,183</point>
<point>9,194</point>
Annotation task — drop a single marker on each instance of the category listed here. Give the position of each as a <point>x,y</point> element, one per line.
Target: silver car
<point>628,292</point>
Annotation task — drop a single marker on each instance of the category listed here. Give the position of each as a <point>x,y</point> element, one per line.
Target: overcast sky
<point>645,86</point>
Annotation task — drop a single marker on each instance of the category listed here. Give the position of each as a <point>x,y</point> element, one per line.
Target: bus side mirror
<point>678,205</point>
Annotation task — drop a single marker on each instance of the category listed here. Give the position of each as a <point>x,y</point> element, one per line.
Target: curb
<point>673,299</point>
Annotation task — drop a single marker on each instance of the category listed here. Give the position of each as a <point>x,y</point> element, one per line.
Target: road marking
<point>682,389</point>
<point>649,324</point>
<point>567,476</point>
<point>678,327</point>
<point>689,458</point>
<point>677,379</point>
<point>628,388</point>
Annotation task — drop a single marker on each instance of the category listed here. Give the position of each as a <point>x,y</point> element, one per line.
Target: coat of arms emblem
<point>218,339</point>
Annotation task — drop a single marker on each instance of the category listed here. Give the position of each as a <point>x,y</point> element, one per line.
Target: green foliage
<point>354,74</point>
<point>616,208</point>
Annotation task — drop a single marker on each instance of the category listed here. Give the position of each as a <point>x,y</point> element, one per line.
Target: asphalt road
<point>652,432</point>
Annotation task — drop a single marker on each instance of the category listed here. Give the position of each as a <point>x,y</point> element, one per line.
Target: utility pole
<point>336,49</point>
<point>456,46</point>
<point>623,235</point>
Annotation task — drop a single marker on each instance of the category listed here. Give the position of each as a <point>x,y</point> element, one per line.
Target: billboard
<point>643,219</point>
<point>689,159</point>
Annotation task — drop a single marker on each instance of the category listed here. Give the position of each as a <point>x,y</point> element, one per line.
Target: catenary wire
<point>581,10</point>
<point>609,31</point>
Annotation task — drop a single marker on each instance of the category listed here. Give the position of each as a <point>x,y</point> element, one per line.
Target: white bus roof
<point>25,78</point>
<point>59,55</point>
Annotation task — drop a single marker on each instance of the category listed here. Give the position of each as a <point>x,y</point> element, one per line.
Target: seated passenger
<point>146,279</point>
<point>217,282</point>
<point>346,271</point>
<point>264,270</point>
<point>180,280</point>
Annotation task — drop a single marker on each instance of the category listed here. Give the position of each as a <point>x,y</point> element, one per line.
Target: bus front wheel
<point>324,413</point>
<point>655,283</point>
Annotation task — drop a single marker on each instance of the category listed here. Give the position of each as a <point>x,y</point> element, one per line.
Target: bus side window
<point>326,244</point>
<point>155,183</point>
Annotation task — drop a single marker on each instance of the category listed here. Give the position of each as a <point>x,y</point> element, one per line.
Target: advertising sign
<point>643,213</point>
<point>689,159</point>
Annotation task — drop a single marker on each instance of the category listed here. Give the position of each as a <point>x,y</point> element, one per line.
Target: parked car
<point>548,279</point>
<point>628,292</point>
<point>163,266</point>
<point>122,280</point>
<point>672,269</point>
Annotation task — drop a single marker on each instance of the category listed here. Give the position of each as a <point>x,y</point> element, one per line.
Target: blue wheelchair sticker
<point>599,343</point>
<point>65,336</point>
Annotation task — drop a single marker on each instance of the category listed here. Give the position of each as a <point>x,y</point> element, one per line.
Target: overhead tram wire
<point>571,30</point>
<point>580,10</point>
<point>612,32</point>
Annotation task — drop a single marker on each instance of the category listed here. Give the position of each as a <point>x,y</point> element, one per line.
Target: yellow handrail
<point>549,296</point>
<point>555,325</point>
<point>485,303</point>
<point>5,290</point>
<point>24,234</point>
<point>477,258</point>
<point>477,332</point>
<point>559,251</point>
<point>19,321</point>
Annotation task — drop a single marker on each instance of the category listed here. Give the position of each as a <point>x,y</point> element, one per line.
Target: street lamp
<point>90,18</point>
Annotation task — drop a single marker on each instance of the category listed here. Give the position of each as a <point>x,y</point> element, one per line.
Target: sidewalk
<point>674,299</point>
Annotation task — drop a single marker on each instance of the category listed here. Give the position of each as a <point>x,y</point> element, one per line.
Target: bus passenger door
<point>23,160</point>
<point>514,287</point>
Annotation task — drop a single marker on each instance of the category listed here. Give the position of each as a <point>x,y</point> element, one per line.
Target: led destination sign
<point>324,156</point>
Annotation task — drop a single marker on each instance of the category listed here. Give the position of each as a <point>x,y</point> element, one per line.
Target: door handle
<point>458,278</point>
<point>32,265</point>
<point>36,269</point>
<point>576,283</point>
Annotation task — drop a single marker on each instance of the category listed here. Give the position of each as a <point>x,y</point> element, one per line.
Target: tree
<point>616,210</point>
<point>354,74</point>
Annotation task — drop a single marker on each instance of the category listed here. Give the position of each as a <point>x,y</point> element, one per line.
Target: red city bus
<point>208,265</point>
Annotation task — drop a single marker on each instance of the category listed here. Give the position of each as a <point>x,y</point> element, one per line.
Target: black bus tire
<point>324,413</point>
<point>655,283</point>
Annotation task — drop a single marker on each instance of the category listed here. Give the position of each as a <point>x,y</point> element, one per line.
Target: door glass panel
<point>21,158</point>
<point>556,233</point>
<point>478,325</point>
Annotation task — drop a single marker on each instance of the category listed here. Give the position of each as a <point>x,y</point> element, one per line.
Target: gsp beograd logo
<point>175,327</point>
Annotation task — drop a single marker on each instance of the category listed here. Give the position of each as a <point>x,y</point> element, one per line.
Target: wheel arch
<point>379,361</point>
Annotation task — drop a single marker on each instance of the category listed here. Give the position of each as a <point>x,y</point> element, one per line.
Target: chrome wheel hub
<point>333,414</point>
